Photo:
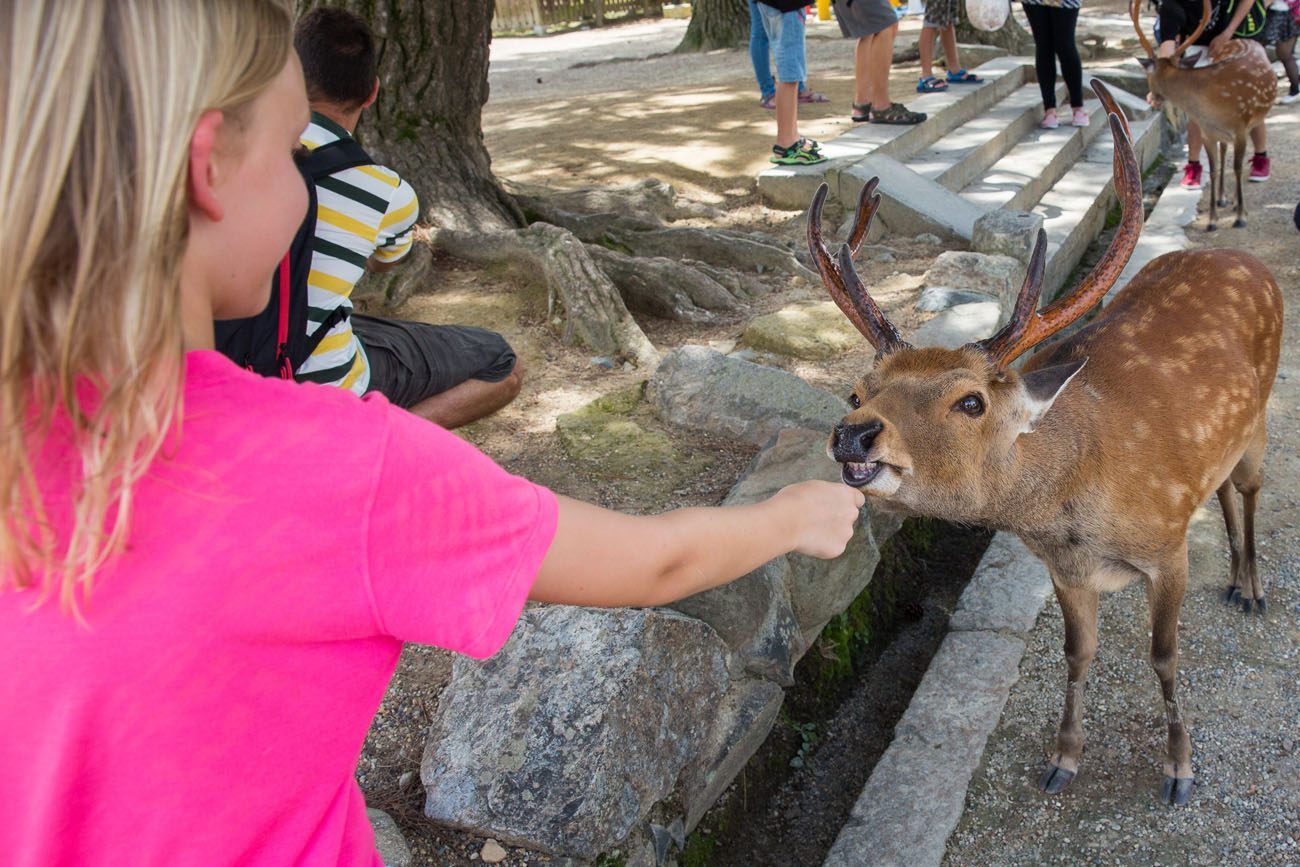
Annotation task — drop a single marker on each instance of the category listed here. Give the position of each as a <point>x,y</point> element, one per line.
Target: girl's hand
<point>824,513</point>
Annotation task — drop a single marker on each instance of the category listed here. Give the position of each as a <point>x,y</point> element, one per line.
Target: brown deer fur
<point>1099,450</point>
<point>1227,99</point>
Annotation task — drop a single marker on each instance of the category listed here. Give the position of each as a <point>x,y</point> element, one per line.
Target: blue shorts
<point>785,33</point>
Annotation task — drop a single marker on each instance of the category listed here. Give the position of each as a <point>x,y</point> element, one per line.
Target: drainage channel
<point>787,806</point>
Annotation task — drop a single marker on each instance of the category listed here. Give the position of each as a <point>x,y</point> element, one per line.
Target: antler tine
<point>1134,10</point>
<point>1191,40</point>
<point>868,203</point>
<point>1026,304</point>
<point>1059,315</point>
<point>1110,106</point>
<point>850,295</point>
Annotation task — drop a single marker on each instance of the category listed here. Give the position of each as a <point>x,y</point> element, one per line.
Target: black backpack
<point>275,342</point>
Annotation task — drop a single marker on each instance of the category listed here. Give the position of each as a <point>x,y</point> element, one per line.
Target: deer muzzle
<point>851,445</point>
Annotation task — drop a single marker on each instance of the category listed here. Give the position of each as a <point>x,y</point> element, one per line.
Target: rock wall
<point>600,729</point>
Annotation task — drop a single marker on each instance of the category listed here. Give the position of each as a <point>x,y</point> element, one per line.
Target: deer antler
<point>841,279</point>
<point>1134,10</point>
<point>1028,327</point>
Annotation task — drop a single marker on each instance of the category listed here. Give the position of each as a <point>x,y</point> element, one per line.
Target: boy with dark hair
<point>365,221</point>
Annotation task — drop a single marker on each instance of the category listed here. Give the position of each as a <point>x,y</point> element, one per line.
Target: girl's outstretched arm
<point>605,558</point>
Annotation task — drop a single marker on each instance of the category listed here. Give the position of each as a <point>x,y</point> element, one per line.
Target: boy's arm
<point>1218,42</point>
<point>605,558</point>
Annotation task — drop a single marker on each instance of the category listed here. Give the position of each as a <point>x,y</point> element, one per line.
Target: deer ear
<point>1043,386</point>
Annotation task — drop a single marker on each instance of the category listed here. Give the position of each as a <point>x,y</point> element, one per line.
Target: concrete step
<point>1027,171</point>
<point>961,156</point>
<point>793,186</point>
<point>1074,209</point>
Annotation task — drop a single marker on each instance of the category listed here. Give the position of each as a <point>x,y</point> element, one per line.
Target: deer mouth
<point>859,474</point>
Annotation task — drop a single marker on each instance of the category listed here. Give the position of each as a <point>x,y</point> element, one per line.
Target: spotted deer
<point>1227,99</point>
<point>1098,451</point>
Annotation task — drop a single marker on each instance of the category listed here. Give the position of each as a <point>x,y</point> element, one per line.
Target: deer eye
<point>854,400</point>
<point>971,404</point>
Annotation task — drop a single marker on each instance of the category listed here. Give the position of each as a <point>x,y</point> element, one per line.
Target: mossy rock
<point>607,438</point>
<point>817,330</point>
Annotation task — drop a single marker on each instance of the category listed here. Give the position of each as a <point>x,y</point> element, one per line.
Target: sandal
<point>768,102</point>
<point>804,152</point>
<point>930,84</point>
<point>861,112</point>
<point>961,76</point>
<point>897,113</point>
<point>806,96</point>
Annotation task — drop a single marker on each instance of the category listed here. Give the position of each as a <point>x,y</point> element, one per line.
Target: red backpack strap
<point>282,328</point>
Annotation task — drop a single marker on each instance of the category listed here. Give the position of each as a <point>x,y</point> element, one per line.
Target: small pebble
<point>492,853</point>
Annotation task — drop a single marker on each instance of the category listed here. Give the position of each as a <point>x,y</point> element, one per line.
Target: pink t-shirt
<point>212,710</point>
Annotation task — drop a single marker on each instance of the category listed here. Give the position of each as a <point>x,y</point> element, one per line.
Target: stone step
<point>961,156</point>
<point>1074,209</point>
<point>1027,171</point>
<point>793,186</point>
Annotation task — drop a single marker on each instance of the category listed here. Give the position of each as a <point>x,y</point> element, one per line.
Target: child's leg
<point>1259,139</point>
<point>880,55</point>
<point>1040,24</point>
<point>760,50</point>
<point>1286,54</point>
<point>1063,26</point>
<point>948,35</point>
<point>1193,142</point>
<point>926,46</point>
<point>786,31</point>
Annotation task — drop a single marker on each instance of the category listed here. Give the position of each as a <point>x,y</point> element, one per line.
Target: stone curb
<point>914,797</point>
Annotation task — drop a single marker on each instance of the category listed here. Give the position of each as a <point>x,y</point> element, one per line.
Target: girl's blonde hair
<point>98,101</point>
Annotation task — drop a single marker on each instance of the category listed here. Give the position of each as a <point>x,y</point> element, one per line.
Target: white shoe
<point>1290,98</point>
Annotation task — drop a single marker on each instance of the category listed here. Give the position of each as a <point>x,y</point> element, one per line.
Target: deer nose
<point>851,442</point>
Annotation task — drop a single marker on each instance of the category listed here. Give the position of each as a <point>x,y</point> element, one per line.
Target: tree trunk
<point>427,122</point>
<point>716,24</point>
<point>1010,35</point>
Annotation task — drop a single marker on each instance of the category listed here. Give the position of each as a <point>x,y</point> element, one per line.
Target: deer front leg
<point>1238,161</point>
<point>1216,167</point>
<point>1165,592</point>
<point>1079,608</point>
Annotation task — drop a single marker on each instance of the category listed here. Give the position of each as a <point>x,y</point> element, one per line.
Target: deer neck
<point>1042,471</point>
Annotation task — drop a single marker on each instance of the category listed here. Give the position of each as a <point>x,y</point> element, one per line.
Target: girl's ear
<point>203,169</point>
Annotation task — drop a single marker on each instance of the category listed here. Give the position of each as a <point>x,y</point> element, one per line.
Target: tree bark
<point>1010,35</point>
<point>427,122</point>
<point>716,24</point>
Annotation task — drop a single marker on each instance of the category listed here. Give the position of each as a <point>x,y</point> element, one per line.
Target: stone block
<point>1007,591</point>
<point>960,277</point>
<point>695,387</point>
<point>959,325</point>
<point>389,840</point>
<point>813,330</point>
<point>565,739</point>
<point>1007,233</point>
<point>912,203</point>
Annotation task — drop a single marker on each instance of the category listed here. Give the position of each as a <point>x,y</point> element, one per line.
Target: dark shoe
<point>861,112</point>
<point>897,113</point>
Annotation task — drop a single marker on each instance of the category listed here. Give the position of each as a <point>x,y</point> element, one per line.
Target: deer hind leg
<point>1221,189</point>
<point>1165,592</point>
<point>1238,161</point>
<point>1232,521</point>
<point>1079,608</point>
<point>1248,477</point>
<point>1216,167</point>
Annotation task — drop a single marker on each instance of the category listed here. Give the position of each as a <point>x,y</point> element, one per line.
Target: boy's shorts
<point>412,361</point>
<point>940,13</point>
<point>785,32</point>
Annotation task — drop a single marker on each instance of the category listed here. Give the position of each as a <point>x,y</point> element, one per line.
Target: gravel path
<point>1238,673</point>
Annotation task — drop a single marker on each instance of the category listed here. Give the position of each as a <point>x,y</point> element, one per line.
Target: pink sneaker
<point>1080,118</point>
<point>1259,167</point>
<point>1049,120</point>
<point>1192,176</point>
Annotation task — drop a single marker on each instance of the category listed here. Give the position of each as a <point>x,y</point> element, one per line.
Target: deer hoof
<point>1232,595</point>
<point>1248,605</point>
<point>1055,779</point>
<point>1238,223</point>
<point>1175,791</point>
<point>1210,227</point>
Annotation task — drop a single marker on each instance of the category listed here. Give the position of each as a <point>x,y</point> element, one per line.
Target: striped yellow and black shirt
<point>360,212</point>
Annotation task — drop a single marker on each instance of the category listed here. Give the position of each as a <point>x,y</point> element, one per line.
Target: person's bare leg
<point>926,46</point>
<point>787,113</point>
<point>948,35</point>
<point>471,400</point>
<point>881,57</point>
<point>1193,142</point>
<point>861,65</point>
<point>1259,139</point>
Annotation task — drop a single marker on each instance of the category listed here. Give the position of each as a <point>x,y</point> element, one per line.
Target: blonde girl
<point>198,618</point>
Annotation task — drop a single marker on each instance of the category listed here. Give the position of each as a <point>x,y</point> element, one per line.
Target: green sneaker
<point>804,152</point>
